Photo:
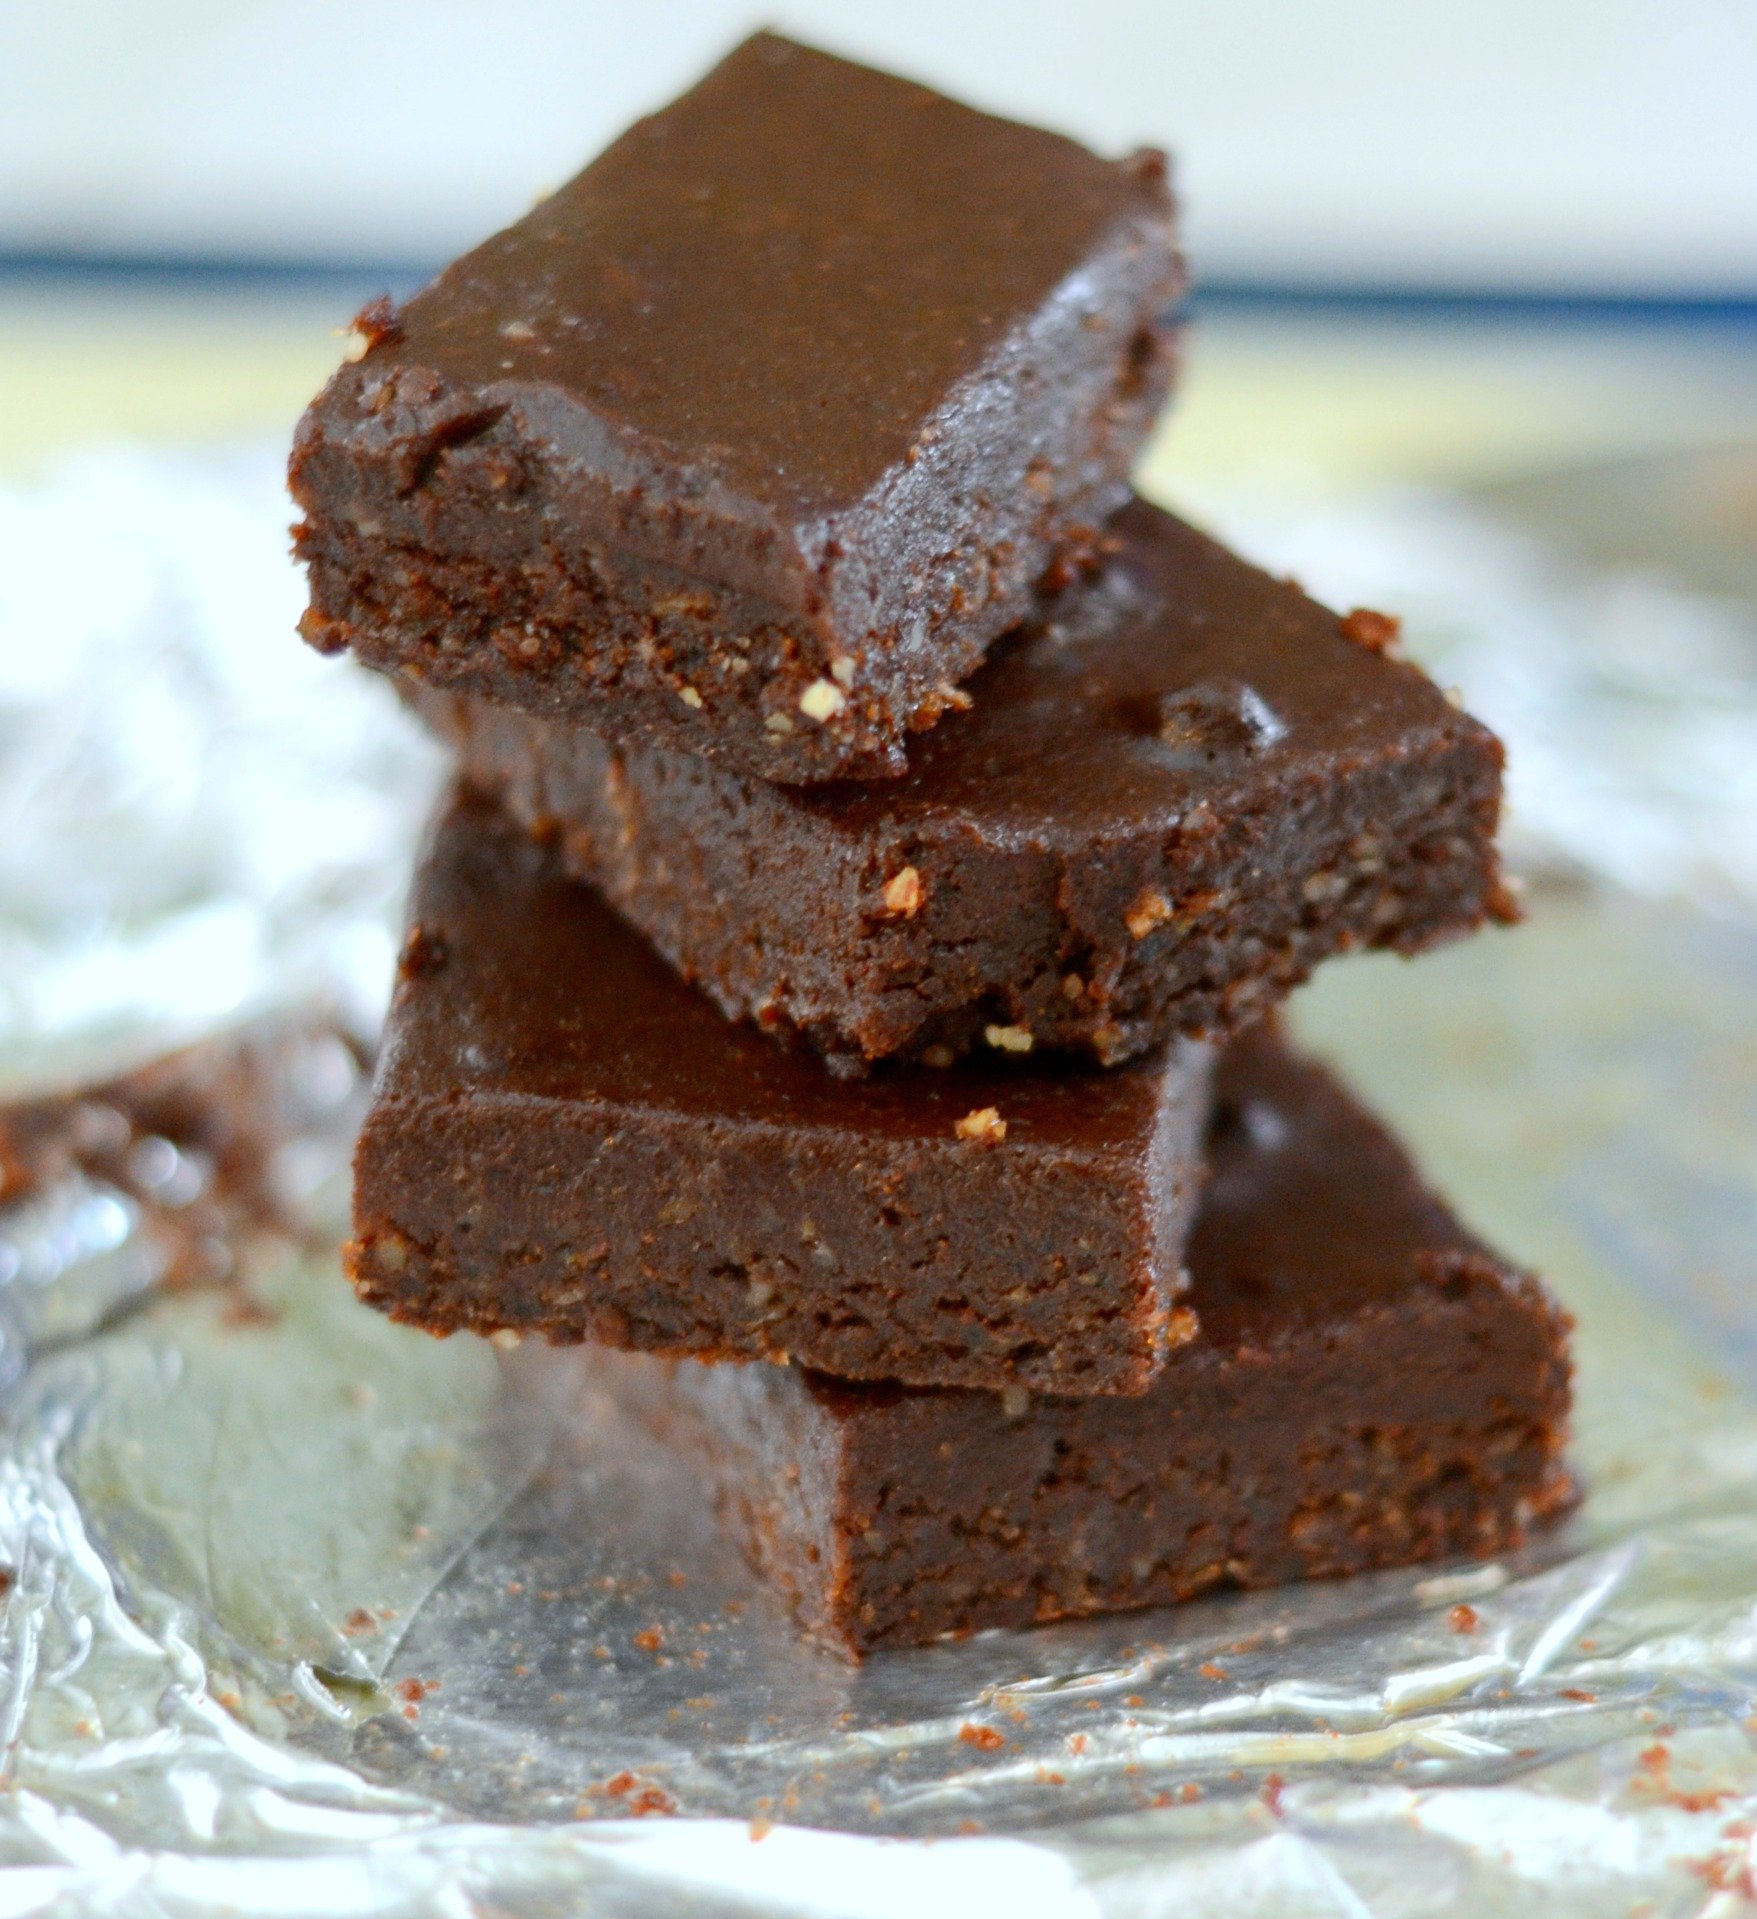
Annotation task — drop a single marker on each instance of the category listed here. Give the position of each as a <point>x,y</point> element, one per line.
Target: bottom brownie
<point>1370,1387</point>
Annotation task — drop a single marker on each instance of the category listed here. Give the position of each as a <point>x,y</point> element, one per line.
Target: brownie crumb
<point>423,952</point>
<point>376,324</point>
<point>1150,909</point>
<point>822,700</point>
<point>1503,904</point>
<point>1377,632</point>
<point>904,894</point>
<point>642,1798</point>
<point>243,1309</point>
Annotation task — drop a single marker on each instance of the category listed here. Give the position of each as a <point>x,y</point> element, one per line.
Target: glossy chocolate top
<point>518,983</point>
<point>1313,1210</point>
<point>1180,676</point>
<point>779,278</point>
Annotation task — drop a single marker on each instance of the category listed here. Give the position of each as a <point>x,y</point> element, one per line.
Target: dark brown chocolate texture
<point>750,439</point>
<point>1174,794</point>
<point>1370,1387</point>
<point>564,1139</point>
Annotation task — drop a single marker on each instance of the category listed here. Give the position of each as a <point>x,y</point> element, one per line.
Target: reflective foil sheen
<point>306,1613</point>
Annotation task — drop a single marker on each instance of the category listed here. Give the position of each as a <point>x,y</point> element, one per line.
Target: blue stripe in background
<point>353,279</point>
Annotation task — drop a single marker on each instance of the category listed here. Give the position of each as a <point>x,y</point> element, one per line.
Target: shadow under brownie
<point>565,1139</point>
<point>1370,1386</point>
<point>751,438</point>
<point>1177,791</point>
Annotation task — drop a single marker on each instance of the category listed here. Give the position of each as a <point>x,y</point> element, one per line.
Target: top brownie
<point>751,438</point>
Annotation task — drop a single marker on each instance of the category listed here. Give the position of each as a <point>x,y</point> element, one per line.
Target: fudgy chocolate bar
<point>750,439</point>
<point>1177,791</point>
<point>565,1139</point>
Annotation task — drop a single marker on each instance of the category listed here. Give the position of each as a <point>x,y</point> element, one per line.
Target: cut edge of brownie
<point>1390,1495</point>
<point>599,637</point>
<point>885,1301</point>
<point>405,477</point>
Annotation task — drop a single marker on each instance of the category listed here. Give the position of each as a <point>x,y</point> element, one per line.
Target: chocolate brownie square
<point>1176,792</point>
<point>565,1139</point>
<point>750,439</point>
<point>1370,1387</point>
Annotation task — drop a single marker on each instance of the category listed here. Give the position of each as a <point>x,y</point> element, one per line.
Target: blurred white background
<point>1599,146</point>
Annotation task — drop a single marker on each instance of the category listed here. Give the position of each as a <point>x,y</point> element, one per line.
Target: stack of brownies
<point>848,957</point>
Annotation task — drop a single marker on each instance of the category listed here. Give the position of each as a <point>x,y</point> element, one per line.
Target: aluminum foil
<point>305,1613</point>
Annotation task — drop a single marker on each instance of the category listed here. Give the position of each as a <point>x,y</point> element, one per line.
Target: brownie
<point>750,439</point>
<point>565,1139</point>
<point>1370,1387</point>
<point>1179,790</point>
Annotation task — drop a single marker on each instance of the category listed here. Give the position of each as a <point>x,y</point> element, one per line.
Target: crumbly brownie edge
<point>631,648</point>
<point>611,1244</point>
<point>900,1552</point>
<point>473,575</point>
<point>917,944</point>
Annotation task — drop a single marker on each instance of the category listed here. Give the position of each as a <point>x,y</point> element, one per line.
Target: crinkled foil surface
<point>305,1613</point>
